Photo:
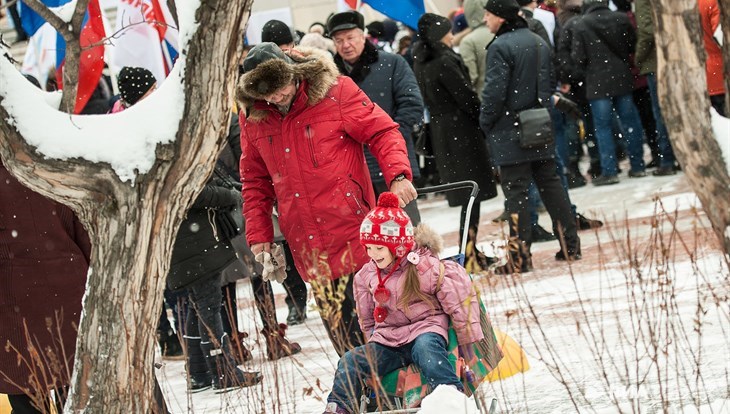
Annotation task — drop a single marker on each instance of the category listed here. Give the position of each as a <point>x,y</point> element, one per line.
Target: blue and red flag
<point>91,61</point>
<point>406,11</point>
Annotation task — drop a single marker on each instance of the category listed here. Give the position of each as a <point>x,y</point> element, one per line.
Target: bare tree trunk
<point>132,228</point>
<point>686,108</point>
<point>725,22</point>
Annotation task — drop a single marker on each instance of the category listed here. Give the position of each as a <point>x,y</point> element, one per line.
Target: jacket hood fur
<point>427,238</point>
<point>313,65</point>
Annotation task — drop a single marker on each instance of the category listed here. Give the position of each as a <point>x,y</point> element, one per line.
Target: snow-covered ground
<point>595,334</point>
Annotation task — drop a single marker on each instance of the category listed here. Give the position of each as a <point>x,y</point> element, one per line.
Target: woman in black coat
<point>202,250</point>
<point>458,142</point>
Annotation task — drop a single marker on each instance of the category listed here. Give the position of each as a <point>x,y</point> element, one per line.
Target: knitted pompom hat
<point>134,83</point>
<point>388,225</point>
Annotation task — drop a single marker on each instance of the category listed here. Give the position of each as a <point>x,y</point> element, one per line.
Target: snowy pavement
<point>642,319</point>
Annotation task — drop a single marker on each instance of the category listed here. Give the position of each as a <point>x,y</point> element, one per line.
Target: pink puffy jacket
<point>456,298</point>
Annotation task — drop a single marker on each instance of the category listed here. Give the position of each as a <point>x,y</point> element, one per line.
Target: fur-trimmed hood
<point>314,66</point>
<point>427,238</point>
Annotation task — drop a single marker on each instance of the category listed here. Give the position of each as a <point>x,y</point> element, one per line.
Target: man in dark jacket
<point>518,78</point>
<point>602,42</point>
<point>386,79</point>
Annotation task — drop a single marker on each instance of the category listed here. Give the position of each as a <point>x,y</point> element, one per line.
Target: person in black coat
<point>603,41</point>
<point>458,143</point>
<point>518,78</point>
<point>202,250</point>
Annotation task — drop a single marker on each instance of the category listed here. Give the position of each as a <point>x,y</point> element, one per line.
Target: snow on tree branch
<point>126,140</point>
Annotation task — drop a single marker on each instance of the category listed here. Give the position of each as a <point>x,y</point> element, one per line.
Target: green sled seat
<point>409,385</point>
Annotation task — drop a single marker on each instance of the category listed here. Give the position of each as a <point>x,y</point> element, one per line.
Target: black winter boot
<point>198,374</point>
<point>226,374</point>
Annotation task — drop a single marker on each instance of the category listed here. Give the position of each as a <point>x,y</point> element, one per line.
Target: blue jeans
<point>665,146</point>
<point>602,110</point>
<point>427,351</point>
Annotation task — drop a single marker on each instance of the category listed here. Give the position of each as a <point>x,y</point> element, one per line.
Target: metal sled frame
<point>492,402</point>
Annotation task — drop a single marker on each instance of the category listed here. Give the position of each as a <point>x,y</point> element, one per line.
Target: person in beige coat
<point>473,48</point>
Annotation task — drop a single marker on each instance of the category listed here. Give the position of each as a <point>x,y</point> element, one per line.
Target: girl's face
<point>380,254</point>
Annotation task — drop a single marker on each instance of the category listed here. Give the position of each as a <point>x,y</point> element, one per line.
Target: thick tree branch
<point>78,17</point>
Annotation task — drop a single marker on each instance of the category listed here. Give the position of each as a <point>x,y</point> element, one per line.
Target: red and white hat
<point>388,225</point>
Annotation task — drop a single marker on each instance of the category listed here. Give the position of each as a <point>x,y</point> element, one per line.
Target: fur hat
<point>278,32</point>
<point>388,225</point>
<point>506,9</point>
<point>265,69</point>
<point>432,27</point>
<point>344,21</point>
<point>134,83</point>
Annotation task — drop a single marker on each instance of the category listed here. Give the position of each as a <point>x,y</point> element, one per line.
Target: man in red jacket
<point>303,128</point>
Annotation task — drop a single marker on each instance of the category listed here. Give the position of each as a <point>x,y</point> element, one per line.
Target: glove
<point>567,106</point>
<point>227,228</point>
<point>274,264</point>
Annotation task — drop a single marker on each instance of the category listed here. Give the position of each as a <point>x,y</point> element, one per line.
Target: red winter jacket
<point>710,19</point>
<point>310,163</point>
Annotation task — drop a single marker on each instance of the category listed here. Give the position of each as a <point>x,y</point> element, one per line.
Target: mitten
<point>274,264</point>
<point>567,106</point>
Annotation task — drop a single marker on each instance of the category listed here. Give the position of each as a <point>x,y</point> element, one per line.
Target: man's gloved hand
<point>227,227</point>
<point>274,263</point>
<point>566,106</point>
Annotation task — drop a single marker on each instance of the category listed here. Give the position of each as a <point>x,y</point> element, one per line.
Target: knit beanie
<point>524,3</point>
<point>506,9</point>
<point>376,29</point>
<point>388,225</point>
<point>278,32</point>
<point>134,83</point>
<point>432,27</point>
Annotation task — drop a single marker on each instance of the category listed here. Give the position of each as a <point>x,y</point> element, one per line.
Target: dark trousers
<point>718,102</point>
<point>342,327</point>
<point>264,299</point>
<point>205,307</point>
<point>295,287</point>
<point>515,184</point>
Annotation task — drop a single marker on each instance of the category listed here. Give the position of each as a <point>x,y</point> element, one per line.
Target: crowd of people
<point>323,127</point>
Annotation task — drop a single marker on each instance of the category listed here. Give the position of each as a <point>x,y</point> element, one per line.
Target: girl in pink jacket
<point>405,298</point>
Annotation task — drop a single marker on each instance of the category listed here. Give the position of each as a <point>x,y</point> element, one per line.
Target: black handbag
<point>535,125</point>
<point>422,140</point>
<point>536,128</point>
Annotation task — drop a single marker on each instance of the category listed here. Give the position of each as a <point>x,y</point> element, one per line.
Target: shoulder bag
<point>535,125</point>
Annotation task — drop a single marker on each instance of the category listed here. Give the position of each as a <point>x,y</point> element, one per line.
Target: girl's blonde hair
<point>412,289</point>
